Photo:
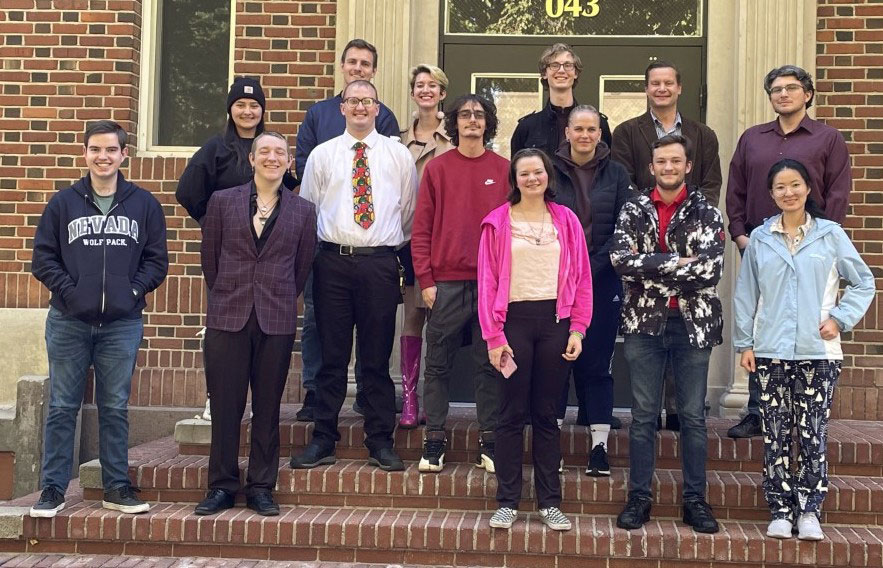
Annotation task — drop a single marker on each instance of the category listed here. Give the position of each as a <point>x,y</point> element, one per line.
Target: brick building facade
<point>66,62</point>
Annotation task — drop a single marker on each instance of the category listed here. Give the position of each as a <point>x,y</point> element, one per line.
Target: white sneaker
<point>780,528</point>
<point>560,422</point>
<point>503,518</point>
<point>555,519</point>
<point>207,413</point>
<point>808,527</point>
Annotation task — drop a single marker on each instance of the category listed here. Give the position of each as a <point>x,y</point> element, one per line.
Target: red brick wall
<point>66,62</point>
<point>849,96</point>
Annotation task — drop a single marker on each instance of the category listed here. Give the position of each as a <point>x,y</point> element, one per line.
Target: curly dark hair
<point>490,117</point>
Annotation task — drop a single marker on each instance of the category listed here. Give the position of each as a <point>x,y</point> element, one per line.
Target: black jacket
<point>538,130</point>
<point>650,277</point>
<point>99,267</point>
<point>214,167</point>
<point>610,191</point>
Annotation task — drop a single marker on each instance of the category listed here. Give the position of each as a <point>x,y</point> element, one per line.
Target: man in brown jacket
<point>632,142</point>
<point>632,138</point>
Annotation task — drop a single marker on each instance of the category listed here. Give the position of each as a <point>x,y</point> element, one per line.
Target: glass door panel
<point>515,95</point>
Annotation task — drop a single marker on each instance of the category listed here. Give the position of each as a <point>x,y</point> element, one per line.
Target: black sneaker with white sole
<point>598,464</point>
<point>485,459</point>
<point>433,459</point>
<point>51,501</point>
<point>123,499</point>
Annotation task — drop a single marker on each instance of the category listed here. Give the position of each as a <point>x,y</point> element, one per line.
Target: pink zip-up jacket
<point>495,268</point>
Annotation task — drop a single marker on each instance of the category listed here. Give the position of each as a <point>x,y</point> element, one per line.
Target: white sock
<point>599,434</point>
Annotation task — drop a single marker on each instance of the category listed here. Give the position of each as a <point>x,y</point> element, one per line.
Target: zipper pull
<point>557,319</point>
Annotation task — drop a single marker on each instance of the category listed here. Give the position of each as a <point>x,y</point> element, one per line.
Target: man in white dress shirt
<point>364,186</point>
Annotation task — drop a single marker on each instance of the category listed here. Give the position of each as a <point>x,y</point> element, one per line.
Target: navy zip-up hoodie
<point>99,267</point>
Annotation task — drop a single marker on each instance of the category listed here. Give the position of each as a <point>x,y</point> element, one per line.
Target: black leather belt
<point>347,250</point>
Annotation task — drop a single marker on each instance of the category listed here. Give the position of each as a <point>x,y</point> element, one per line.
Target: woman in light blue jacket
<point>788,325</point>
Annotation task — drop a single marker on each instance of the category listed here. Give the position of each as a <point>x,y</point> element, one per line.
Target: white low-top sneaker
<point>808,527</point>
<point>780,528</point>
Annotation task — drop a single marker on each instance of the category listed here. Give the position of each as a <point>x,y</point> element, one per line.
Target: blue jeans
<point>111,349</point>
<point>646,355</point>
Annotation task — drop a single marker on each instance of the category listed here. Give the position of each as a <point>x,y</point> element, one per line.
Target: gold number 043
<point>573,8</point>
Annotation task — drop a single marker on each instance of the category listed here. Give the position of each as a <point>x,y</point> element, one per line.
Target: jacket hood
<point>125,188</point>
<point>599,160</point>
<point>499,215</point>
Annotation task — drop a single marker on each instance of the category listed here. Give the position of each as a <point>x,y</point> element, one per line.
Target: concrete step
<point>854,447</point>
<point>430,538</point>
<point>734,495</point>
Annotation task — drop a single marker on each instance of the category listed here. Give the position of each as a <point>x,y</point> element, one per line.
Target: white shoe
<point>560,422</point>
<point>503,518</point>
<point>555,519</point>
<point>780,528</point>
<point>808,527</point>
<point>207,413</point>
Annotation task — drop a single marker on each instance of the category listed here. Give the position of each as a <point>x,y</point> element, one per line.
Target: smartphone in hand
<point>507,364</point>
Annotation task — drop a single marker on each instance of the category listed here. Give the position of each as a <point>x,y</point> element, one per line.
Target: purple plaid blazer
<point>239,279</point>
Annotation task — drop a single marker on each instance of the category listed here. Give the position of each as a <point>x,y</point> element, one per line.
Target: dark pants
<point>532,391</point>
<point>593,370</point>
<point>359,291</point>
<point>235,361</point>
<point>646,355</point>
<point>455,310</point>
<point>797,394</point>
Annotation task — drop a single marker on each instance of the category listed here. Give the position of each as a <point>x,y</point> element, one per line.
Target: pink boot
<point>411,347</point>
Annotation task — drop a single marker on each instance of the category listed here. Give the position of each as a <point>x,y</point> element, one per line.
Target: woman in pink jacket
<point>534,304</point>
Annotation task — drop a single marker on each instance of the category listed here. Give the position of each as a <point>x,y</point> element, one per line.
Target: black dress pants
<point>531,396</point>
<point>360,291</point>
<point>235,360</point>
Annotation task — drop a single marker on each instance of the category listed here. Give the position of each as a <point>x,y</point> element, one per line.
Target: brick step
<point>854,447</point>
<point>430,538</point>
<point>734,495</point>
<point>139,561</point>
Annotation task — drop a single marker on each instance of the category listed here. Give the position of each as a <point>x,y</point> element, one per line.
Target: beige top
<point>536,254</point>
<point>422,153</point>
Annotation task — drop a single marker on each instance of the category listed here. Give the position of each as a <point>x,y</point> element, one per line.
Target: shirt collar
<point>656,197</point>
<point>779,227</point>
<point>370,140</point>
<point>806,123</point>
<point>657,122</point>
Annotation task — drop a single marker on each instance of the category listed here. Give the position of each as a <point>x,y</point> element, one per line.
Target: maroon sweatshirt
<point>456,193</point>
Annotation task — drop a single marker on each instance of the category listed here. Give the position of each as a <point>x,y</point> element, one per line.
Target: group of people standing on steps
<point>538,262</point>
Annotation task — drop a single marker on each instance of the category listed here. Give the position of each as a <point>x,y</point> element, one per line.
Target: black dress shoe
<point>312,456</point>
<point>386,459</point>
<point>262,503</point>
<point>615,423</point>
<point>672,422</point>
<point>635,513</point>
<point>216,500</point>
<point>308,410</point>
<point>697,514</point>
<point>747,428</point>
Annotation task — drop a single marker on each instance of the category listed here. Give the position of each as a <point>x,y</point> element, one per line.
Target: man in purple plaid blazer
<point>258,241</point>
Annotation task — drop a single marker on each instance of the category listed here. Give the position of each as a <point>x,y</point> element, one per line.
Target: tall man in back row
<point>358,62</point>
<point>364,186</point>
<point>793,134</point>
<point>100,247</point>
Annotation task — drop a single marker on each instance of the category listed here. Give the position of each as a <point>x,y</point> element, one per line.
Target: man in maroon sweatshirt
<point>458,189</point>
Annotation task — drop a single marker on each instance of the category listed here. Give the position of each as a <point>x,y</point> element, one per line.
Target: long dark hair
<point>514,196</point>
<point>811,206</point>
<point>231,142</point>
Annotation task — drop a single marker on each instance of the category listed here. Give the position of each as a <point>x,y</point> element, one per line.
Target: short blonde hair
<point>435,72</point>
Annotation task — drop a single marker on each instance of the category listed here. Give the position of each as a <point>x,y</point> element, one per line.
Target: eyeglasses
<point>353,102</point>
<point>555,66</point>
<point>790,89</point>
<point>464,114</point>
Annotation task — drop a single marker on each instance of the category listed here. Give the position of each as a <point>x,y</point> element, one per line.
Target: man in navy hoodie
<point>100,248</point>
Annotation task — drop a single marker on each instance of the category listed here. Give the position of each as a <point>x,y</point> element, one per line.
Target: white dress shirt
<point>328,183</point>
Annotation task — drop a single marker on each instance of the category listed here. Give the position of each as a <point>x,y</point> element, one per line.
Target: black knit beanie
<point>246,88</point>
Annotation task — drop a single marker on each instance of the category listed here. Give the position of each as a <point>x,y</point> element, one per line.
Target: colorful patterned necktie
<point>363,208</point>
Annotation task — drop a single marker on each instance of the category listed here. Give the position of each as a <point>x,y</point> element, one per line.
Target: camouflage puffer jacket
<point>650,277</point>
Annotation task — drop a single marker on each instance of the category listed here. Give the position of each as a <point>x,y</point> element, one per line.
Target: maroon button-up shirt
<point>817,146</point>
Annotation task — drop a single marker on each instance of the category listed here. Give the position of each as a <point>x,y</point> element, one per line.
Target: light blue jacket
<point>781,299</point>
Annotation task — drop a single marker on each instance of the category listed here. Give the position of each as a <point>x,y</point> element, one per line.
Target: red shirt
<point>665,212</point>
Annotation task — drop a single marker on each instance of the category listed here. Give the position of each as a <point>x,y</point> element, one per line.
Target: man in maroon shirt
<point>457,190</point>
<point>794,135</point>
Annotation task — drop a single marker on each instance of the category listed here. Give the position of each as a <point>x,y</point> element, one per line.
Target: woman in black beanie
<point>222,162</point>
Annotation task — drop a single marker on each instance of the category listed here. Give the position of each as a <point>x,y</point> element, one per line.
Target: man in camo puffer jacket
<point>668,248</point>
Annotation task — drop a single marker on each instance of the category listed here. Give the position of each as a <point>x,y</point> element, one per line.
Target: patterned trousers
<point>795,394</point>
